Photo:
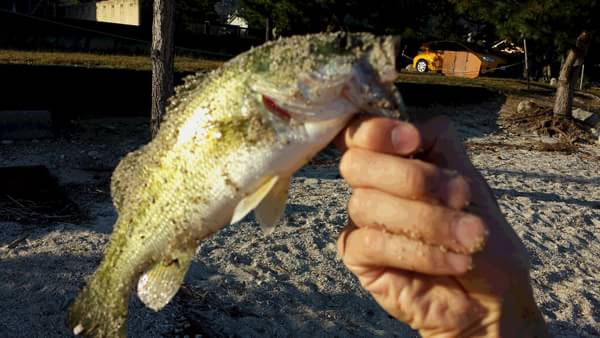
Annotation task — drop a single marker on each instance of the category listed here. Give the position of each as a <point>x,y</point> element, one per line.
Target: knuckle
<point>348,163</point>
<point>355,204</point>
<point>360,206</point>
<point>373,244</point>
<point>425,214</point>
<point>366,135</point>
<point>414,180</point>
<point>341,243</point>
<point>433,260</point>
<point>371,131</point>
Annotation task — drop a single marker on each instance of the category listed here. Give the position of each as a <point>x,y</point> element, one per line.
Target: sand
<point>245,284</point>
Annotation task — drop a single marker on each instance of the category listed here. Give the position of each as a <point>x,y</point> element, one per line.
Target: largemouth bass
<point>229,144</point>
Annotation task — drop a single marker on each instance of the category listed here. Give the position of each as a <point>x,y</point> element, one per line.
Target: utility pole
<point>581,77</point>
<point>526,62</point>
<point>267,29</point>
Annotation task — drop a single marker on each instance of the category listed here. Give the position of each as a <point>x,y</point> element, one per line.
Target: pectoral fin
<point>158,285</point>
<point>251,201</point>
<point>270,210</point>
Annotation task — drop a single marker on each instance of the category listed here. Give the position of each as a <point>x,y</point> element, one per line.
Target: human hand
<point>417,228</point>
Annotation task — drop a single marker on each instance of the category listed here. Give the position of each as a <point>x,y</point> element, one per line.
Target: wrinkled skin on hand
<point>420,214</point>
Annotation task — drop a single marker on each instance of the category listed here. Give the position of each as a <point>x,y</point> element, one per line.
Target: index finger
<point>381,135</point>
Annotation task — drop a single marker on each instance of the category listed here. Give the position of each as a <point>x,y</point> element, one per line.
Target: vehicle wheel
<point>421,66</point>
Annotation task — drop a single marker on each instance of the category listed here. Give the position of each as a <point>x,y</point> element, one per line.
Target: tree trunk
<point>563,103</point>
<point>267,29</point>
<point>162,60</point>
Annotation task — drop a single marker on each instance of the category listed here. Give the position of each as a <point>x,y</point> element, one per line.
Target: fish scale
<point>229,144</point>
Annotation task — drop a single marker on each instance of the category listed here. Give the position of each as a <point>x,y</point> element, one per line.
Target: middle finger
<point>405,178</point>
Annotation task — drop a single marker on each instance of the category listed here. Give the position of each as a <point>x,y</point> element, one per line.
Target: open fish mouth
<point>335,89</point>
<point>276,109</point>
<point>298,103</point>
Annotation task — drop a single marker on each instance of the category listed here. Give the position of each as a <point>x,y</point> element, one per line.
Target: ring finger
<point>435,225</point>
<point>365,248</point>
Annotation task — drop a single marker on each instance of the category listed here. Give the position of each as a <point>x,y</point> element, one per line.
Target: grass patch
<point>510,87</point>
<point>595,91</point>
<point>91,60</point>
<point>505,85</point>
<point>515,89</point>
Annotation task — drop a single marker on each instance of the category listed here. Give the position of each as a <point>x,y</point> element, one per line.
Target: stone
<point>527,107</point>
<point>311,181</point>
<point>548,140</point>
<point>587,117</point>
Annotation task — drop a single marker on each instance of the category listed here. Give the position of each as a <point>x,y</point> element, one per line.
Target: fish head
<point>310,86</point>
<point>323,78</point>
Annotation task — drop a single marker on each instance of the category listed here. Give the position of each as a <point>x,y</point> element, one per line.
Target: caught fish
<point>229,144</point>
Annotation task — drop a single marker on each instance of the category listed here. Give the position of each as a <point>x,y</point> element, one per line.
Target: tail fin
<point>99,311</point>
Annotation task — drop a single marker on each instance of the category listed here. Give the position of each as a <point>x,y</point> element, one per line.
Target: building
<point>126,12</point>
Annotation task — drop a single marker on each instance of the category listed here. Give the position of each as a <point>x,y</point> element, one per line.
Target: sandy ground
<point>245,284</point>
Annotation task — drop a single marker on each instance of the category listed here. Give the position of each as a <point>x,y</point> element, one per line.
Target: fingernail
<point>404,139</point>
<point>469,232</point>
<point>460,263</point>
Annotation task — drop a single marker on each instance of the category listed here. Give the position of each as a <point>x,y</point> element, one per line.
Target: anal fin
<point>159,284</point>
<point>270,210</point>
<point>253,200</point>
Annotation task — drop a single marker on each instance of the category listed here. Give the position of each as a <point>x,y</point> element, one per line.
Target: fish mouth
<point>345,104</point>
<point>314,99</point>
<point>276,109</point>
<point>299,110</point>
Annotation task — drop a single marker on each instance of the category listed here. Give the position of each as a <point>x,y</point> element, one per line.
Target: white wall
<point>125,12</point>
